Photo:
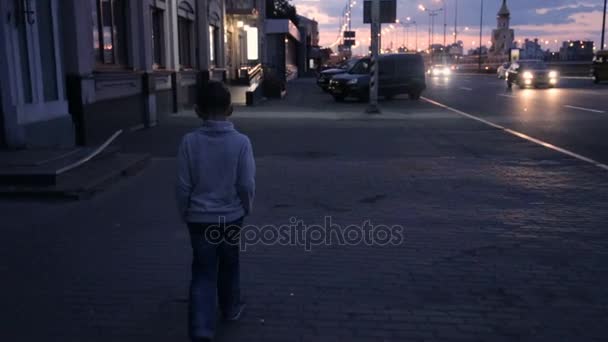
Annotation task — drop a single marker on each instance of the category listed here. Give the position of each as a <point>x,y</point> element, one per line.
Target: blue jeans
<point>215,275</point>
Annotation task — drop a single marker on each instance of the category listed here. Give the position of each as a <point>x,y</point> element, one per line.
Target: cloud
<point>548,20</point>
<point>583,25</point>
<point>580,5</point>
<point>312,11</point>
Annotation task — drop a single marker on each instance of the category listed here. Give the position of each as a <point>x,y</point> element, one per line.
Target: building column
<point>13,135</point>
<point>144,62</point>
<point>79,56</point>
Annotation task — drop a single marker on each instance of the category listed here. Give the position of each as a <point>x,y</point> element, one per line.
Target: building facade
<point>282,44</point>
<point>245,43</point>
<point>503,36</point>
<point>577,51</point>
<point>531,49</point>
<point>309,54</point>
<point>76,71</point>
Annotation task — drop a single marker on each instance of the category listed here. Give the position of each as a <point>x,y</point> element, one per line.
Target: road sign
<point>388,11</point>
<point>349,38</point>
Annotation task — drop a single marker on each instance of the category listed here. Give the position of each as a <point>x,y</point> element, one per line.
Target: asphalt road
<point>573,116</point>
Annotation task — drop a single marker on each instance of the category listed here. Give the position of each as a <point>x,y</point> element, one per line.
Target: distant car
<point>440,70</point>
<point>531,73</point>
<point>326,75</point>
<point>501,72</point>
<point>399,74</point>
<point>600,67</point>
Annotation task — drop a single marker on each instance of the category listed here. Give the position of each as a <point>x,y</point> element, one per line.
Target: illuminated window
<point>252,43</point>
<point>213,44</point>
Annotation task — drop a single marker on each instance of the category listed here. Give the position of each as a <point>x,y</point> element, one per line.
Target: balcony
<point>242,7</point>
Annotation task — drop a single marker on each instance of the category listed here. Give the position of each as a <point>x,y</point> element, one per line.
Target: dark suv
<point>399,74</point>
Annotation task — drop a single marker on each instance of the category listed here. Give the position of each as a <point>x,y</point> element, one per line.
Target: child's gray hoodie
<point>216,174</point>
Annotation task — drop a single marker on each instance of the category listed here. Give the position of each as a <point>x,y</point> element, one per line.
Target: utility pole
<point>416,27</point>
<point>456,22</point>
<point>373,84</point>
<point>430,24</point>
<point>603,46</point>
<point>480,33</point>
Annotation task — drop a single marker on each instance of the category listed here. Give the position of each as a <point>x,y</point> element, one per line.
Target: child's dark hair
<point>213,99</point>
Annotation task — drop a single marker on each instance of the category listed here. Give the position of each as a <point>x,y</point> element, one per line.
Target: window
<point>213,44</point>
<point>158,37</point>
<point>361,68</point>
<point>185,31</point>
<point>252,43</point>
<point>110,31</point>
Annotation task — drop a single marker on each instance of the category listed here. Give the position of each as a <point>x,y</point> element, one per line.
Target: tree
<point>281,9</point>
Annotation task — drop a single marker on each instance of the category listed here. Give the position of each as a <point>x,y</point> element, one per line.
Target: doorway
<point>36,76</point>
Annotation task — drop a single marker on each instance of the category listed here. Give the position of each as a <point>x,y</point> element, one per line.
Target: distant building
<point>502,36</point>
<point>456,49</point>
<point>576,51</point>
<point>531,49</point>
<point>475,52</point>
<point>290,45</point>
<point>310,56</point>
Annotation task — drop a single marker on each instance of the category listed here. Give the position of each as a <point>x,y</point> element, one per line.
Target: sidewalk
<point>504,240</point>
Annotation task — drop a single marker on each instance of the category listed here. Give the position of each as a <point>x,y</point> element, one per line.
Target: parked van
<point>399,74</point>
<point>600,66</point>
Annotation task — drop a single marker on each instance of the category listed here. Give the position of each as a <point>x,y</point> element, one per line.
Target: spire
<point>504,10</point>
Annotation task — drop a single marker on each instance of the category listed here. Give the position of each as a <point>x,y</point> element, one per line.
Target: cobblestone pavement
<point>504,241</point>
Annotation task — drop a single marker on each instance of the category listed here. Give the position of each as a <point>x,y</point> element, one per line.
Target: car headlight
<point>553,74</point>
<point>528,75</point>
<point>436,72</point>
<point>447,71</point>
<point>352,82</point>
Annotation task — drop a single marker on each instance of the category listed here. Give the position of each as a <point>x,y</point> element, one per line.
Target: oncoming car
<point>440,70</point>
<point>501,72</point>
<point>531,73</point>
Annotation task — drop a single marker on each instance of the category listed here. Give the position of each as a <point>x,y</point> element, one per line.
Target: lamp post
<point>432,14</point>
<point>480,33</point>
<point>456,22</point>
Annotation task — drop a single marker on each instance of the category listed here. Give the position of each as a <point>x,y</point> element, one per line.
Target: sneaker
<point>238,312</point>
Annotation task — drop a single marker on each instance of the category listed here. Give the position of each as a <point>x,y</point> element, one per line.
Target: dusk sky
<point>548,20</point>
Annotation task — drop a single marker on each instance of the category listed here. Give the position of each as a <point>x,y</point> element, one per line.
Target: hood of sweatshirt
<point>217,127</point>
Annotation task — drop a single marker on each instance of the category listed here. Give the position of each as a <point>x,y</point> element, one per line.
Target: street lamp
<point>406,24</point>
<point>432,14</point>
<point>602,46</point>
<point>480,33</point>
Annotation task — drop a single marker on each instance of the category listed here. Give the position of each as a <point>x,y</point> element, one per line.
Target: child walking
<point>215,190</point>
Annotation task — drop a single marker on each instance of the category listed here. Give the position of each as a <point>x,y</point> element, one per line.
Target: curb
<point>85,188</point>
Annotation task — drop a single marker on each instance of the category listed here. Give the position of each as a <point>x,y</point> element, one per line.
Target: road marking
<point>577,77</point>
<point>521,135</point>
<point>466,88</point>
<point>585,109</point>
<point>507,95</point>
